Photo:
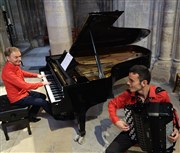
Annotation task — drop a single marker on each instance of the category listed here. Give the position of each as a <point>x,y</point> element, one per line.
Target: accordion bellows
<point>150,124</point>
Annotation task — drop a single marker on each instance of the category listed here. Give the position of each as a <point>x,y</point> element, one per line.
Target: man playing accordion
<point>139,91</point>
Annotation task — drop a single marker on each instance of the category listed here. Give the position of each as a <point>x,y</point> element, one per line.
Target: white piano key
<point>50,93</point>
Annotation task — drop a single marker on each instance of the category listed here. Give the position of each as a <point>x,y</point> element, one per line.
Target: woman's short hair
<point>9,50</point>
<point>142,71</point>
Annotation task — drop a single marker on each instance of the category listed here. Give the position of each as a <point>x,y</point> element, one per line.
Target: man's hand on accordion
<point>174,136</point>
<point>122,125</point>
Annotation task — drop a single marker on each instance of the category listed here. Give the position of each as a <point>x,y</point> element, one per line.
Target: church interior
<point>48,28</point>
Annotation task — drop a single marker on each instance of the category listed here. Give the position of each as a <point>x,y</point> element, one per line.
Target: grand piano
<point>100,55</point>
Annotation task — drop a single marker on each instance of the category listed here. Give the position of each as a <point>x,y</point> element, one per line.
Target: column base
<point>175,69</point>
<point>161,71</point>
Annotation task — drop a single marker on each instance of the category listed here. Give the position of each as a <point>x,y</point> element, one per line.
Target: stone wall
<point>4,42</point>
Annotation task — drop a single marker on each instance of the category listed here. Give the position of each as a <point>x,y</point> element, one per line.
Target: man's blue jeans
<point>35,100</point>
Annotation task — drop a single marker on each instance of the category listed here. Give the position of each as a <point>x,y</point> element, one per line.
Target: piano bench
<point>12,115</point>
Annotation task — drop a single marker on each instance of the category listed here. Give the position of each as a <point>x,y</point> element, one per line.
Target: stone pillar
<point>176,44</point>
<point>23,20</point>
<point>41,22</point>
<point>59,24</point>
<point>33,21</point>
<point>155,30</point>
<point>162,68</point>
<point>81,14</point>
<point>38,12</point>
<point>137,16</point>
<point>119,5</point>
<point>4,42</point>
<point>37,36</point>
<point>17,20</point>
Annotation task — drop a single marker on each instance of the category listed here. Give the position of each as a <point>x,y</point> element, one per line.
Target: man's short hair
<point>9,50</point>
<point>142,71</point>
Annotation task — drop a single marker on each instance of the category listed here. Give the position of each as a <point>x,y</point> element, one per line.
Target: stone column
<point>155,30</point>
<point>137,15</point>
<point>17,19</point>
<point>81,14</point>
<point>176,44</point>
<point>4,42</point>
<point>59,23</point>
<point>36,13</point>
<point>23,18</point>
<point>162,68</point>
<point>33,21</point>
<point>119,5</point>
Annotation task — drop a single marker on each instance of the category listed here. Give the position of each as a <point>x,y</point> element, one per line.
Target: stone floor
<point>54,136</point>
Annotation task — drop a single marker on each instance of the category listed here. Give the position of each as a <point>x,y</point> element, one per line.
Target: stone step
<point>24,47</point>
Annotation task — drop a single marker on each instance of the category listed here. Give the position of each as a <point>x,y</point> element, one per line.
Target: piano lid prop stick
<point>101,74</point>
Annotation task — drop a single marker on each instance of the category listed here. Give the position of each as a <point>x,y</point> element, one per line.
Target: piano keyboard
<point>55,93</point>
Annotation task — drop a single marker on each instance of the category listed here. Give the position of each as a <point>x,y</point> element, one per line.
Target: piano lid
<point>104,33</point>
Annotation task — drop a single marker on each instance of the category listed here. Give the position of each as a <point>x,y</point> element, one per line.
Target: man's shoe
<point>34,119</point>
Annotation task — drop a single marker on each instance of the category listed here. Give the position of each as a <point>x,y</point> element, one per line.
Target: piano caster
<point>104,137</point>
<point>79,139</point>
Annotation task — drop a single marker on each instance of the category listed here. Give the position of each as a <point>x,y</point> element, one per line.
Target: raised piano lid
<point>104,33</point>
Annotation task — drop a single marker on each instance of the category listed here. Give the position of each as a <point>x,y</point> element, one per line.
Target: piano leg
<point>81,119</point>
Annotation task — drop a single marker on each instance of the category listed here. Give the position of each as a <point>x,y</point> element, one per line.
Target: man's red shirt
<point>128,98</point>
<point>16,87</point>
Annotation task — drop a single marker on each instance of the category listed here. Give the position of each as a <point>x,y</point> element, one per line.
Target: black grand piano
<point>101,55</point>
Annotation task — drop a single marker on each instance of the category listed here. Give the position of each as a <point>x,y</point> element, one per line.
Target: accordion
<point>150,124</point>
